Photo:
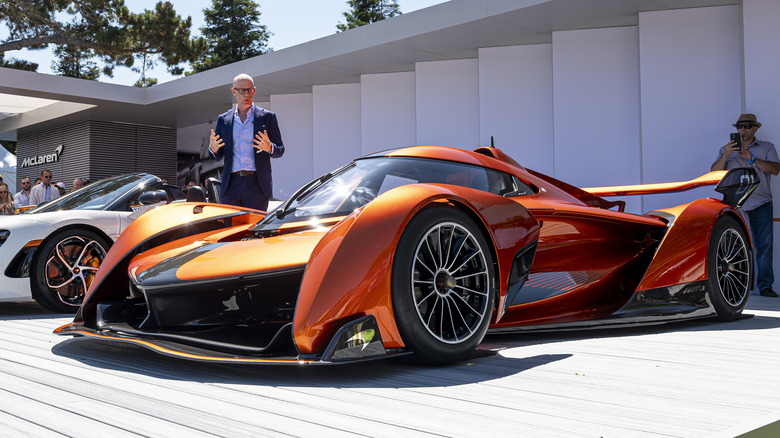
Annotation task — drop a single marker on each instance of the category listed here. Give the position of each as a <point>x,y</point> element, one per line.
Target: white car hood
<point>108,221</point>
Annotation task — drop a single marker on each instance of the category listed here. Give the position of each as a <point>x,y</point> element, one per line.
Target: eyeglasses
<point>3,193</point>
<point>744,126</point>
<point>47,176</point>
<point>25,182</point>
<point>245,91</point>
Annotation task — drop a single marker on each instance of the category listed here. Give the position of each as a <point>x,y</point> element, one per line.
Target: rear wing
<point>736,185</point>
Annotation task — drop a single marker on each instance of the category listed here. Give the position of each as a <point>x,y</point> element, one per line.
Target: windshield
<point>353,186</point>
<point>95,196</point>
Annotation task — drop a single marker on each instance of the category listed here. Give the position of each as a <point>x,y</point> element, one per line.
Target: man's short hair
<point>242,76</point>
<point>44,171</point>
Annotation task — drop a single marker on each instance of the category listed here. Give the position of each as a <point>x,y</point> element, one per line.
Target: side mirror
<point>737,185</point>
<point>153,197</point>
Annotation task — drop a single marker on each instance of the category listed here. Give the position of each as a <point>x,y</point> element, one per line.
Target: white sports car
<point>52,253</point>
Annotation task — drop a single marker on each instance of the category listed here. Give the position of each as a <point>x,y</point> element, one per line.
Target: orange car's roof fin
<point>709,179</point>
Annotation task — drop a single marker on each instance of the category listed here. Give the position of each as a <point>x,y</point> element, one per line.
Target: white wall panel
<point>336,111</point>
<point>387,106</point>
<point>596,107</point>
<point>761,42</point>
<point>447,106</point>
<point>515,103</point>
<point>691,93</point>
<point>296,167</point>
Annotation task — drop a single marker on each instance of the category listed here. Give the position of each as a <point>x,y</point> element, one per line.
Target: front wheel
<point>64,267</point>
<point>443,285</point>
<point>729,268</point>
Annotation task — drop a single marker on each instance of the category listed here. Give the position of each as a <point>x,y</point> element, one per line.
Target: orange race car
<point>417,251</point>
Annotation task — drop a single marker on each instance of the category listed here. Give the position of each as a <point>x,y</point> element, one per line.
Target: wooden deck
<point>694,379</point>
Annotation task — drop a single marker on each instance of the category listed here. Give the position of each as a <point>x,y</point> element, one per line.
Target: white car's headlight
<point>4,236</point>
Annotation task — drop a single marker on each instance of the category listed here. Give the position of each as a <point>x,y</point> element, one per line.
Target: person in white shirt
<point>45,191</point>
<point>23,197</point>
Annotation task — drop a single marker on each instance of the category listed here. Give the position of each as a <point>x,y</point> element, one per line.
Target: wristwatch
<point>753,160</point>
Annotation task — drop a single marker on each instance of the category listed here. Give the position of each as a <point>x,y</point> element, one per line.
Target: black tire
<point>729,261</point>
<point>64,266</point>
<point>442,286</point>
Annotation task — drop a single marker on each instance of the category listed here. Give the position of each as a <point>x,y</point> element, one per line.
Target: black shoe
<point>768,293</point>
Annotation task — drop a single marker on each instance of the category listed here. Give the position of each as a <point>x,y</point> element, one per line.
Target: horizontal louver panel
<point>97,149</point>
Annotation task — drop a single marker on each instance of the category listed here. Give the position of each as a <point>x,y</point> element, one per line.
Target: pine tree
<point>102,30</point>
<point>76,63</point>
<point>233,33</point>
<point>18,64</point>
<point>368,11</point>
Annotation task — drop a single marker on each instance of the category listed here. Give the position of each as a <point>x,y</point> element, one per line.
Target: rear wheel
<point>729,268</point>
<point>64,267</point>
<point>443,285</point>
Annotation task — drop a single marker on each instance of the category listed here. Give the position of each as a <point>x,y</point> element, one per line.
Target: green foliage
<point>18,64</point>
<point>103,29</point>
<point>76,63</point>
<point>145,82</point>
<point>233,33</point>
<point>368,11</point>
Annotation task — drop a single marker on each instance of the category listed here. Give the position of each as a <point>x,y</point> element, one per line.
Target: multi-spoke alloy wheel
<point>730,268</point>
<point>450,282</point>
<point>733,267</point>
<point>443,285</point>
<point>65,267</point>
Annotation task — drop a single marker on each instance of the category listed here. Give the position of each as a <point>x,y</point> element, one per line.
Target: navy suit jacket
<point>264,120</point>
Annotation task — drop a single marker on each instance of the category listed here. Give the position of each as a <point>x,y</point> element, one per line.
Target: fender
<point>350,270</point>
<point>682,255</point>
<point>179,218</point>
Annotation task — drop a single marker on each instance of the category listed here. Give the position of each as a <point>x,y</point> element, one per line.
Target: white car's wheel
<point>64,267</point>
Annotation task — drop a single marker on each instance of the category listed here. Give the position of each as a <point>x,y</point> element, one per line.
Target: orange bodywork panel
<point>238,258</point>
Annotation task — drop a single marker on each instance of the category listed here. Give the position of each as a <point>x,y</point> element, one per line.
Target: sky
<point>292,22</point>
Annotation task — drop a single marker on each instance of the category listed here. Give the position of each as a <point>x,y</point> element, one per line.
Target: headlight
<point>4,236</point>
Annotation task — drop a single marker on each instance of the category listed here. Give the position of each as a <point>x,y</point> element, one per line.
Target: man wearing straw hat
<point>763,156</point>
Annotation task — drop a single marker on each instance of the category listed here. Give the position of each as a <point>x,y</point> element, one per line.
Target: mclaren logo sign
<point>43,159</point>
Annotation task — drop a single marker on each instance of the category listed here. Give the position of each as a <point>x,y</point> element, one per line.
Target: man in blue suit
<point>247,137</point>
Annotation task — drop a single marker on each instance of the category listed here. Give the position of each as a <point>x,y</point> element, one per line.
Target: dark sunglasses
<point>744,126</point>
<point>2,193</point>
<point>47,176</point>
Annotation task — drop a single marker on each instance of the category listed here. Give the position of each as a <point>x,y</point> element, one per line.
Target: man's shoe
<point>768,293</point>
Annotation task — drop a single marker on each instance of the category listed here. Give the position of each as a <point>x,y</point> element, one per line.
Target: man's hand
<point>262,142</point>
<point>746,154</point>
<point>215,142</point>
<point>732,146</point>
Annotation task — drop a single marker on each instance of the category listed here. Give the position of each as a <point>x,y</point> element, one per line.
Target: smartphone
<point>734,136</point>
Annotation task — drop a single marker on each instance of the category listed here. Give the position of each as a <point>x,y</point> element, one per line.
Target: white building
<point>593,92</point>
